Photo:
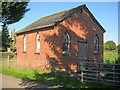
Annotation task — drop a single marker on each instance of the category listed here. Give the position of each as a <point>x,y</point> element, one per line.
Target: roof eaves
<point>35,28</point>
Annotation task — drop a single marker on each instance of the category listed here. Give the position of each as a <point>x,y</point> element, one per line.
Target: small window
<point>66,43</point>
<point>96,46</point>
<point>24,43</point>
<point>38,43</point>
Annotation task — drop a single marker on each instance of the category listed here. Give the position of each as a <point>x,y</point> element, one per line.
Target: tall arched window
<point>66,43</point>
<point>38,42</point>
<point>96,44</point>
<point>24,43</point>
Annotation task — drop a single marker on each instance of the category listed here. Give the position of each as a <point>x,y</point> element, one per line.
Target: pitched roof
<point>53,19</point>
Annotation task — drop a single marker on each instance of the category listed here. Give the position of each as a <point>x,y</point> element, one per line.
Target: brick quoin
<point>79,26</point>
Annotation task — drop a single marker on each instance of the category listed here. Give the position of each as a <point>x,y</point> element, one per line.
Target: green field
<point>110,56</point>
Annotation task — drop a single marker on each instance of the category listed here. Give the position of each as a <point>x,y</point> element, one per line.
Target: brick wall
<point>79,26</point>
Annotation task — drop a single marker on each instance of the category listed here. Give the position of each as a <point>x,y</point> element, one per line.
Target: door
<point>82,52</point>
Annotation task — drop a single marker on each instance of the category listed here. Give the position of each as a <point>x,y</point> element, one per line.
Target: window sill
<point>24,52</point>
<point>66,53</point>
<point>37,52</point>
<point>96,52</point>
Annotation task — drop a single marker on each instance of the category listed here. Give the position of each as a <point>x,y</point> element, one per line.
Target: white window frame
<point>38,43</point>
<point>25,43</point>
<point>66,40</point>
<point>96,44</point>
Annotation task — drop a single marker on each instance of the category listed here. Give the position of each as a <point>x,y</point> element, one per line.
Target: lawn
<point>49,78</point>
<point>110,56</point>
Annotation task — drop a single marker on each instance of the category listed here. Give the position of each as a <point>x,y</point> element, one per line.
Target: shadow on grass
<point>56,81</point>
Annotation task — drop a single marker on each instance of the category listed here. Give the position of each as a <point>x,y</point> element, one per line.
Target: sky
<point>105,12</point>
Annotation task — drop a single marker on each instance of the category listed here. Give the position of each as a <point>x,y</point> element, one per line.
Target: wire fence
<point>7,58</point>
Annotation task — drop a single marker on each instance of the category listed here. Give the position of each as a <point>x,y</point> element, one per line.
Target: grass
<point>54,79</point>
<point>49,78</point>
<point>110,56</point>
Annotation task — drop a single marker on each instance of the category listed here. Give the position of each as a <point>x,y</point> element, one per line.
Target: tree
<point>118,47</point>
<point>11,34</point>
<point>14,36</point>
<point>0,40</point>
<point>11,12</point>
<point>5,38</point>
<point>13,41</point>
<point>110,45</point>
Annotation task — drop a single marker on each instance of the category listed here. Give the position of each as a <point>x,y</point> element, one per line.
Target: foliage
<point>12,49</point>
<point>118,49</point>
<point>5,38</point>
<point>13,41</point>
<point>13,36</point>
<point>0,40</point>
<point>110,56</point>
<point>13,11</point>
<point>110,45</point>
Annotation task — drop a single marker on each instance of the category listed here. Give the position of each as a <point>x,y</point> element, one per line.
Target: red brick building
<point>64,38</point>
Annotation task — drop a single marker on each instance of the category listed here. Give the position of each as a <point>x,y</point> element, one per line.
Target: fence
<point>8,57</point>
<point>100,72</point>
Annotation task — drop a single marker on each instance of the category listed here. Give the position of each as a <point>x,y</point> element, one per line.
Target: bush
<point>12,49</point>
<point>118,47</point>
<point>110,45</point>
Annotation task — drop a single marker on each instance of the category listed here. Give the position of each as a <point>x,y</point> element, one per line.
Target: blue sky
<point>105,12</point>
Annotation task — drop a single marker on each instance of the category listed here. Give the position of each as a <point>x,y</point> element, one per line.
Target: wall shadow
<point>85,27</point>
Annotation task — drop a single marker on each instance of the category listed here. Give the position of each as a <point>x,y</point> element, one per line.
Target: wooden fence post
<point>97,73</point>
<point>82,72</point>
<point>8,61</point>
<point>113,74</point>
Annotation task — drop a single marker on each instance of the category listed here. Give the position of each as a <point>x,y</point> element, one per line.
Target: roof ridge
<point>61,12</point>
<point>53,15</point>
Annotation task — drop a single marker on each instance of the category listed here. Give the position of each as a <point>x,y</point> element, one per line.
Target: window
<point>66,43</point>
<point>24,43</point>
<point>38,43</point>
<point>96,44</point>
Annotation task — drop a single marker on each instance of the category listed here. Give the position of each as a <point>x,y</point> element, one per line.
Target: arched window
<point>66,43</point>
<point>96,44</point>
<point>24,43</point>
<point>38,42</point>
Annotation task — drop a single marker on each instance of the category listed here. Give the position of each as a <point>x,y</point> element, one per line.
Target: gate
<point>100,72</point>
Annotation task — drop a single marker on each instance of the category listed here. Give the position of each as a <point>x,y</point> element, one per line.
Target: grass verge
<point>49,78</point>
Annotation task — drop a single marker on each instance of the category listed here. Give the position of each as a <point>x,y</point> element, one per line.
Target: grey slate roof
<point>53,19</point>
